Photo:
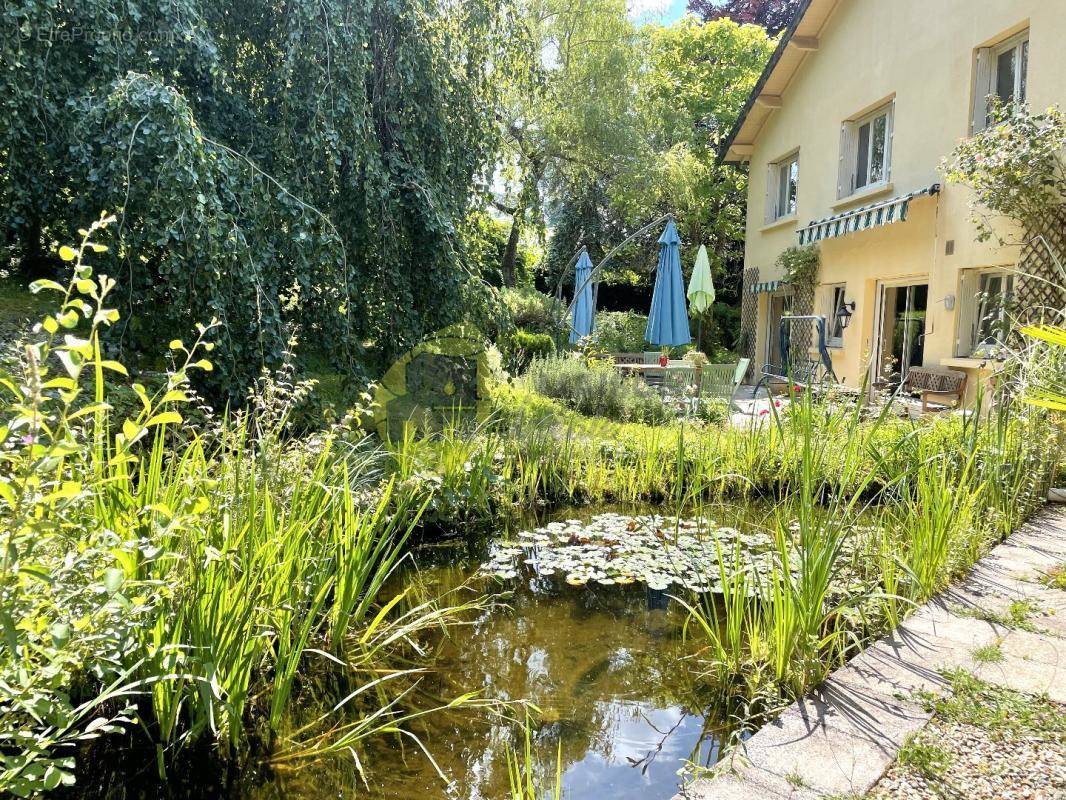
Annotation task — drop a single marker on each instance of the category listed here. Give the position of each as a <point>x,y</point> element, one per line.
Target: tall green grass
<point>869,524</point>
<point>192,585</point>
<point>198,585</point>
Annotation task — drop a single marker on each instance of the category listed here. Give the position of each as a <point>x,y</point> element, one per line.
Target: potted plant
<point>664,356</point>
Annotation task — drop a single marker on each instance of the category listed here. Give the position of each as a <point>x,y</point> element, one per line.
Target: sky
<point>664,11</point>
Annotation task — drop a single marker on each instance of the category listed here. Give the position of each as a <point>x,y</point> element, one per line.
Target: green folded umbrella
<point>700,289</point>
<point>701,286</point>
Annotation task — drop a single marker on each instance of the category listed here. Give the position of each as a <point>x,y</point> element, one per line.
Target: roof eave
<point>728,153</point>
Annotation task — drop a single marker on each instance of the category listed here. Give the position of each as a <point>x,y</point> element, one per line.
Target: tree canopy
<point>774,15</point>
<point>361,174</point>
<point>301,164</point>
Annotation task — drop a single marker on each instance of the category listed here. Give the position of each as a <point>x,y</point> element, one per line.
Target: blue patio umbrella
<point>583,310</point>
<point>668,319</point>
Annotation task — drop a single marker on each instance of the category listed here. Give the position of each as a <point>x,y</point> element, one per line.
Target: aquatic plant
<point>615,549</point>
<point>523,770</point>
<point>189,585</point>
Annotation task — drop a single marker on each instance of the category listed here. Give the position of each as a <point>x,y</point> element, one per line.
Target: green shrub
<point>529,309</point>
<point>619,331</point>
<point>596,389</point>
<point>523,346</point>
<point>713,412</point>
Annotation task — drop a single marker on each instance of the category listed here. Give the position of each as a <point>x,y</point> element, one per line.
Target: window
<point>782,183</point>
<point>834,333</point>
<point>993,299</point>
<point>986,297</point>
<point>866,151</point>
<point>1002,72</point>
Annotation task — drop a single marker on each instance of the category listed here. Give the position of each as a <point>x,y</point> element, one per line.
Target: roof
<point>799,40</point>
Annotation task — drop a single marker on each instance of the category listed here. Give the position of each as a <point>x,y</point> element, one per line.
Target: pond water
<point>620,698</point>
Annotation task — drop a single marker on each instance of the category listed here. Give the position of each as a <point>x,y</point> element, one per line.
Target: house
<point>843,136</point>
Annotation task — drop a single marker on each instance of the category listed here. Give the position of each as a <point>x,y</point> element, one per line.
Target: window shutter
<point>966,314</point>
<point>770,205</point>
<point>890,129</point>
<point>982,88</point>
<point>847,160</point>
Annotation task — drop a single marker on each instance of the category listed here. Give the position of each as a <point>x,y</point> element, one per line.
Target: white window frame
<point>849,152</point>
<point>775,179</point>
<point>974,306</point>
<point>986,76</point>
<point>833,293</point>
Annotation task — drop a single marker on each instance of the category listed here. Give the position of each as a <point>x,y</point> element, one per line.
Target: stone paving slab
<point>1030,677</point>
<point>891,673</point>
<point>745,783</point>
<point>817,756</point>
<point>839,739</point>
<point>1029,646</point>
<point>883,720</point>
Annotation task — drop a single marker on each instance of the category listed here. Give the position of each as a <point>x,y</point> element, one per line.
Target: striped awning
<point>767,286</point>
<point>875,215</point>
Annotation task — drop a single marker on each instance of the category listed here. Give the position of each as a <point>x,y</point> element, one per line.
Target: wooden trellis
<point>1040,295</point>
<point>749,307</point>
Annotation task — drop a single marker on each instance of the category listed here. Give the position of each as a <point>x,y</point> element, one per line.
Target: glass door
<point>901,335</point>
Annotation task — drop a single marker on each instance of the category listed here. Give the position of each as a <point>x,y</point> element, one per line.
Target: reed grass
<point>195,585</point>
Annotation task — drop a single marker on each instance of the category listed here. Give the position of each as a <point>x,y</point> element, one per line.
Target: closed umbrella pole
<point>668,318</point>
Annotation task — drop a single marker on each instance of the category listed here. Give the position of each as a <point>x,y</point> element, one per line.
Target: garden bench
<point>628,358</point>
<point>936,385</point>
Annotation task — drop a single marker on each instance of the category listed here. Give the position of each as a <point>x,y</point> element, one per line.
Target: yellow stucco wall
<point>921,54</point>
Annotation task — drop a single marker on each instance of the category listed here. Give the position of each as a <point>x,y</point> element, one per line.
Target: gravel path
<point>981,765</point>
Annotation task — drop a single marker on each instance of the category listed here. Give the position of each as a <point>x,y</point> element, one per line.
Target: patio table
<point>634,368</point>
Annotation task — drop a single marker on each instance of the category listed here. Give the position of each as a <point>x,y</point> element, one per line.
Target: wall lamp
<point>844,314</point>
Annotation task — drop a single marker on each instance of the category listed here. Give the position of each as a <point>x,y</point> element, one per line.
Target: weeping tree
<point>302,165</point>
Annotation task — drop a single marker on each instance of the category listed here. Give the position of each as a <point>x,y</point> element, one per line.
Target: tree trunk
<point>510,253</point>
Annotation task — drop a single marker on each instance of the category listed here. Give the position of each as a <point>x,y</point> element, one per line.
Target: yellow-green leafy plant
<point>69,613</point>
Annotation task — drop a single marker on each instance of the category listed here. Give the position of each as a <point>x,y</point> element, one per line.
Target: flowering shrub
<point>1014,167</point>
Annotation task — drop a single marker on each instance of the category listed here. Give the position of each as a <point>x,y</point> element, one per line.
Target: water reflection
<point>609,670</point>
<point>619,697</point>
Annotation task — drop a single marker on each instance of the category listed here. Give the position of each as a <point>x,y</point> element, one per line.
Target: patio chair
<point>799,370</point>
<point>679,383</point>
<point>654,378</point>
<point>721,381</point>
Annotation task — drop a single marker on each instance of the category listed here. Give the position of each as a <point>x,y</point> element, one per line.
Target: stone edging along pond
<point>838,740</point>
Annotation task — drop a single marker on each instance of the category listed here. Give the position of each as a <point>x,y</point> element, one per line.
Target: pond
<point>621,700</point>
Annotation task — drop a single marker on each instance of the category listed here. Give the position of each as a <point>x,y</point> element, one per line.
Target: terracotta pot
<point>664,360</point>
